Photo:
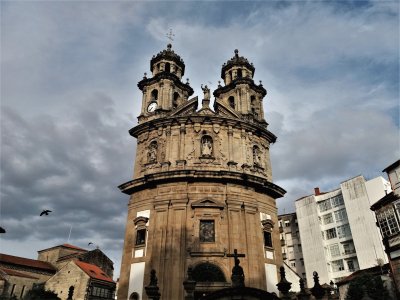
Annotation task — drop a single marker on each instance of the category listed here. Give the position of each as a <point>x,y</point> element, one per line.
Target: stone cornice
<point>165,75</point>
<point>224,89</point>
<point>258,129</point>
<point>190,175</point>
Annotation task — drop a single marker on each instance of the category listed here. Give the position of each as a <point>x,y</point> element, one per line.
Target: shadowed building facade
<point>202,184</point>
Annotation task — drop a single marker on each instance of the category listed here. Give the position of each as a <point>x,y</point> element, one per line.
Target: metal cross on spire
<point>170,35</point>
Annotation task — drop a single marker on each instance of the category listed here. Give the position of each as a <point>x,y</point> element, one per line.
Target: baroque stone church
<point>202,184</point>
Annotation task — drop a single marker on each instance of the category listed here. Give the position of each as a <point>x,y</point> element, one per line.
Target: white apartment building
<point>291,249</point>
<point>290,242</point>
<point>338,231</point>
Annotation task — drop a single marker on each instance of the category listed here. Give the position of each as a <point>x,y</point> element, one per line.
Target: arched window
<point>267,224</point>
<point>141,231</point>
<point>207,272</point>
<point>175,100</point>
<point>154,95</point>
<point>152,152</point>
<point>239,73</point>
<point>70,292</point>
<point>134,296</point>
<point>231,101</point>
<point>206,146</point>
<point>168,67</point>
<point>267,239</point>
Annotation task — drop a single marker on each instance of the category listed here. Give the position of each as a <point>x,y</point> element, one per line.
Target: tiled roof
<point>389,198</point>
<point>69,256</point>
<point>373,271</point>
<point>26,262</point>
<point>73,247</point>
<point>16,273</point>
<point>392,166</point>
<point>93,271</point>
<point>65,246</point>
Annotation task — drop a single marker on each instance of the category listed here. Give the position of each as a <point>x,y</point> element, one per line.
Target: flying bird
<point>45,212</point>
<point>90,244</point>
<point>2,230</point>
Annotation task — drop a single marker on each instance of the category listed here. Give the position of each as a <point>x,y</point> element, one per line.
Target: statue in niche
<point>206,92</point>
<point>206,146</point>
<point>152,152</point>
<point>256,156</point>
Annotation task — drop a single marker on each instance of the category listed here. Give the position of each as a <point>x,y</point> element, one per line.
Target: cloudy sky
<point>69,71</point>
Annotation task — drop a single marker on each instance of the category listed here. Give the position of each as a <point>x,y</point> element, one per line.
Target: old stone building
<point>18,274</point>
<point>202,184</point>
<point>81,280</point>
<point>66,269</point>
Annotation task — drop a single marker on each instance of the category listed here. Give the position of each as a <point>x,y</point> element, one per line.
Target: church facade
<point>202,184</point>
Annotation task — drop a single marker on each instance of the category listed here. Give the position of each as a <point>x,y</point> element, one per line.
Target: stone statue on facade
<point>206,92</point>
<point>206,146</point>
<point>152,153</point>
<point>256,156</point>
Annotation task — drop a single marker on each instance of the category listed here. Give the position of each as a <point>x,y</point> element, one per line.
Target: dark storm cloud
<point>71,165</point>
<point>330,68</point>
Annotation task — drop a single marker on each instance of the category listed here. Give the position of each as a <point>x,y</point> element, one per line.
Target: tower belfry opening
<point>202,184</point>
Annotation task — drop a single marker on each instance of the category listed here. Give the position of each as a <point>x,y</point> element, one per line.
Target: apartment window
<point>330,233</point>
<point>397,206</point>
<point>343,231</point>
<point>324,205</point>
<point>340,215</point>
<point>293,264</point>
<point>287,223</point>
<point>337,201</point>
<point>334,250</point>
<point>348,248</point>
<point>387,222</point>
<point>337,265</point>
<point>350,265</point>
<point>328,218</point>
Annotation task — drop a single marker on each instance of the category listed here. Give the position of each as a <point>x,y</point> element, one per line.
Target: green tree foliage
<point>13,297</point>
<point>372,285</point>
<point>41,294</point>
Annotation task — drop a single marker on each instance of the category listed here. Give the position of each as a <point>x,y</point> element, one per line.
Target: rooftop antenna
<point>170,35</point>
<point>69,235</point>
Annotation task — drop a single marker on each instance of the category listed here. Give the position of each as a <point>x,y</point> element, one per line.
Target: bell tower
<point>240,93</point>
<point>202,185</point>
<point>164,91</point>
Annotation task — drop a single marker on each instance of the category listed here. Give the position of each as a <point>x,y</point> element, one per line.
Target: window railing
<point>351,251</point>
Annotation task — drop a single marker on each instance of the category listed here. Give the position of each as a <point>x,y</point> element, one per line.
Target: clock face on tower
<point>152,107</point>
